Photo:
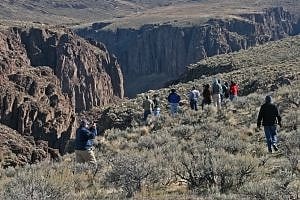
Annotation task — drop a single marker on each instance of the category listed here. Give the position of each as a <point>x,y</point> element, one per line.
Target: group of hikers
<point>216,94</point>
<point>268,116</point>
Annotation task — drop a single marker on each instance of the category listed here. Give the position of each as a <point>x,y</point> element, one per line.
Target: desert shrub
<point>128,172</point>
<point>268,189</point>
<point>32,183</point>
<point>232,171</point>
<point>193,164</point>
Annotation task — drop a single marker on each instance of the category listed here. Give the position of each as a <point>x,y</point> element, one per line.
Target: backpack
<point>217,88</point>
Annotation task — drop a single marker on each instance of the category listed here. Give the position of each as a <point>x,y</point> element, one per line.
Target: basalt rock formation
<point>87,72</point>
<point>155,54</point>
<point>45,78</point>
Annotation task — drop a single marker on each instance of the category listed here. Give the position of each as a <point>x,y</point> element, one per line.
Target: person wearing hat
<point>269,117</point>
<point>84,143</point>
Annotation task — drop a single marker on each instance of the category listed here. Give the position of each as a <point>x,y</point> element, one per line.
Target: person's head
<point>147,97</point>
<point>155,95</point>
<point>207,86</point>
<point>84,123</point>
<point>193,88</point>
<point>232,83</point>
<point>268,99</point>
<point>173,90</point>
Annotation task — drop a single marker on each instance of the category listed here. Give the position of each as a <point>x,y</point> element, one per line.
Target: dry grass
<point>196,155</point>
<point>128,13</point>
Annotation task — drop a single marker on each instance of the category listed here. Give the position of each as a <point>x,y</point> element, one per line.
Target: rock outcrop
<point>17,150</point>
<point>156,54</point>
<point>46,77</point>
<point>87,72</point>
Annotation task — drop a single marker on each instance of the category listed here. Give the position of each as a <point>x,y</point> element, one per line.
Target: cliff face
<point>155,54</point>
<point>87,72</point>
<point>45,78</point>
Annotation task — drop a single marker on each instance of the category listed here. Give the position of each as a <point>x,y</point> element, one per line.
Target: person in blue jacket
<point>84,143</point>
<point>173,100</point>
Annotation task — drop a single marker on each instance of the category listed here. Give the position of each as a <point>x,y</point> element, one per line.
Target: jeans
<point>174,108</point>
<point>271,137</point>
<point>233,97</point>
<point>156,112</point>
<point>146,113</point>
<point>193,104</point>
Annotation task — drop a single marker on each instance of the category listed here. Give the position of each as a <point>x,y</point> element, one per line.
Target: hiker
<point>193,98</point>
<point>173,100</point>
<point>225,91</point>
<point>156,108</point>
<point>84,143</point>
<point>207,99</point>
<point>148,107</point>
<point>233,91</point>
<point>217,91</point>
<point>269,115</point>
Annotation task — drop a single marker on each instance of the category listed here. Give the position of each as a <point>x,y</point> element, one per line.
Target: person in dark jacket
<point>173,100</point>
<point>207,95</point>
<point>84,143</point>
<point>156,103</point>
<point>269,116</point>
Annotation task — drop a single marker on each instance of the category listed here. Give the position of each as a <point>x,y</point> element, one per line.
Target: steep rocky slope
<point>46,77</point>
<point>154,54</point>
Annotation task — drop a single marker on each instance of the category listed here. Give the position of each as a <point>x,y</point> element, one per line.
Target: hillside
<point>197,155</point>
<point>72,12</point>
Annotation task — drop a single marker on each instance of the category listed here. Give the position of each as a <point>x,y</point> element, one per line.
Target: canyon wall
<point>46,77</point>
<point>155,54</point>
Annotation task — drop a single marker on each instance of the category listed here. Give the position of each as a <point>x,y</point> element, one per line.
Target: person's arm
<point>278,116</point>
<point>90,134</point>
<point>259,118</point>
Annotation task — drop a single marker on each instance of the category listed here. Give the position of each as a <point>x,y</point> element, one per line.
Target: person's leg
<point>268,137</point>
<point>79,157</point>
<point>202,104</point>
<point>196,105</point>
<point>172,108</point>
<point>91,157</point>
<point>273,131</point>
<point>192,104</point>
<point>219,102</point>
<point>215,100</point>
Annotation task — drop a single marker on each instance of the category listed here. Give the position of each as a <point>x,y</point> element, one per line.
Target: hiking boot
<point>275,147</point>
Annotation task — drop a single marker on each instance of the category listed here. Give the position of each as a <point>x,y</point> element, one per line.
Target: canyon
<point>155,54</point>
<point>47,77</point>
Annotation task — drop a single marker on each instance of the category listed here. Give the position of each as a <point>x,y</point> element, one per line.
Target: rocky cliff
<point>155,54</point>
<point>87,72</point>
<point>45,78</point>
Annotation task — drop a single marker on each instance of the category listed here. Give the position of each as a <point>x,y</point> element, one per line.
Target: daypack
<point>217,88</point>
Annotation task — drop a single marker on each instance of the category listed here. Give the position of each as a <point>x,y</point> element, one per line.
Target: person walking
<point>270,117</point>
<point>233,91</point>
<point>217,91</point>
<point>193,98</point>
<point>207,95</point>
<point>225,90</point>
<point>156,108</point>
<point>148,107</point>
<point>84,143</point>
<point>173,100</point>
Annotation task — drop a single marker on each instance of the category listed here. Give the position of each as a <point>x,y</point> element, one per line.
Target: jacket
<point>234,89</point>
<point>194,95</point>
<point>173,98</point>
<point>84,138</point>
<point>269,115</point>
<point>148,104</point>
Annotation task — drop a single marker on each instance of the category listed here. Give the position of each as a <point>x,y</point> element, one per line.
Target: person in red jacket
<point>233,91</point>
